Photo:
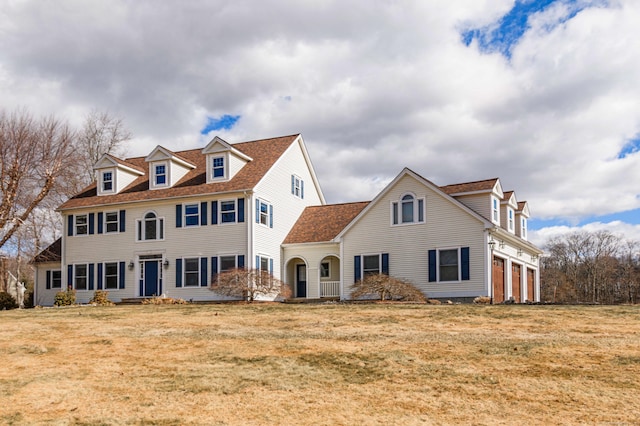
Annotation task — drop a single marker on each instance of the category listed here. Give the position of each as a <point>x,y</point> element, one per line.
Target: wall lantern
<point>131,265</point>
<point>166,263</point>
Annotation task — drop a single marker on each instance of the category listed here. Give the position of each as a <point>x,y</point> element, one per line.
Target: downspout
<point>250,219</point>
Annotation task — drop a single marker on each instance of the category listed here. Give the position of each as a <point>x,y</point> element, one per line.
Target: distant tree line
<point>590,267</point>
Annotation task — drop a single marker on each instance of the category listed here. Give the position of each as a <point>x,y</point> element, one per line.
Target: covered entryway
<point>150,275</point>
<point>498,279</point>
<point>531,282</point>
<point>516,280</point>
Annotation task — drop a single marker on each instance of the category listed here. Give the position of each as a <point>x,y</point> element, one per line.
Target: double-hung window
<point>107,181</point>
<point>80,277</point>
<point>510,219</point>
<point>55,278</point>
<point>228,211</point>
<point>408,209</point>
<point>160,174</point>
<point>81,224</point>
<point>496,212</point>
<point>111,222</point>
<point>297,186</point>
<point>264,213</point>
<point>523,228</point>
<point>217,167</point>
<point>227,263</point>
<point>111,276</point>
<point>370,264</point>
<point>449,264</point>
<point>192,214</point>
<point>151,227</point>
<point>192,272</point>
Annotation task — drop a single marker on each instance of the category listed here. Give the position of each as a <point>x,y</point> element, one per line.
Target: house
<point>169,222</point>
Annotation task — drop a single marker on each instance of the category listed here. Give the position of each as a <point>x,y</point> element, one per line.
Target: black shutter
<point>240,210</point>
<point>99,276</point>
<point>92,218</point>
<point>432,266</point>
<point>48,285</point>
<point>203,214</point>
<point>178,215</point>
<point>356,269</point>
<point>214,212</point>
<point>123,220</point>
<point>178,272</point>
<point>464,255</point>
<point>91,275</point>
<point>100,220</point>
<point>70,225</point>
<point>385,263</point>
<point>203,272</point>
<point>121,275</point>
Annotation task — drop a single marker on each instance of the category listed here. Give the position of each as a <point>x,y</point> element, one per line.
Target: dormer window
<point>217,167</point>
<point>408,209</point>
<point>160,174</point>
<point>107,181</point>
<point>510,220</point>
<point>523,228</point>
<point>496,212</point>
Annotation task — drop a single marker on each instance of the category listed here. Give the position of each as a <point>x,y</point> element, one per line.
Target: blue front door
<point>151,278</point>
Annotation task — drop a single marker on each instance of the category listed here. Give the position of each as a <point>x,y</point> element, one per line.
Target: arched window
<point>408,209</point>
<point>151,227</point>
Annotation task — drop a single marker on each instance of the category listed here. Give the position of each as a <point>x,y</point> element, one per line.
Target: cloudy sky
<point>543,94</point>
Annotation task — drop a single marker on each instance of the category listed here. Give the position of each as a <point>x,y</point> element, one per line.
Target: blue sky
<point>543,94</point>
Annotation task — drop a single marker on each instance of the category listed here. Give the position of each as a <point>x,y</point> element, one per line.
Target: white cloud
<point>373,86</point>
<point>626,231</point>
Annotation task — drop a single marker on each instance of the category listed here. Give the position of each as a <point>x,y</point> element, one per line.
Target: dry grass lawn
<point>320,364</point>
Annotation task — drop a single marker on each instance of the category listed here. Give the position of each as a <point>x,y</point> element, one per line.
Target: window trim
<point>103,181</point>
<point>104,276</point>
<point>495,209</point>
<point>267,214</point>
<point>76,225</point>
<point>75,276</point>
<point>141,228</point>
<point>106,222</point>
<point>362,271</point>
<point>184,271</point>
<point>297,186</point>
<point>458,264</point>
<point>235,262</point>
<point>52,272</point>
<point>328,275</point>
<point>510,219</point>
<point>523,228</point>
<point>221,212</point>
<point>191,215</point>
<point>156,174</point>
<point>213,159</point>
<point>418,210</point>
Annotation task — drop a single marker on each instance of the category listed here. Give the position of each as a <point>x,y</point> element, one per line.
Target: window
<point>451,264</point>
<point>370,265</point>
<point>264,264</point>
<point>56,279</point>
<point>111,276</point>
<point>297,186</point>
<point>510,219</point>
<point>150,228</point>
<point>111,222</point>
<point>264,213</point>
<point>192,272</point>
<point>227,263</point>
<point>523,228</point>
<point>448,265</point>
<point>107,181</point>
<point>160,175</point>
<point>81,225</point>
<point>496,214</point>
<point>217,167</point>
<point>325,272</point>
<point>192,214</point>
<point>80,277</point>
<point>228,211</point>
<point>408,210</point>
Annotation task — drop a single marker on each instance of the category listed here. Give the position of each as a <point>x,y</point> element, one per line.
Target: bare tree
<point>101,134</point>
<point>248,284</point>
<point>385,287</point>
<point>34,155</point>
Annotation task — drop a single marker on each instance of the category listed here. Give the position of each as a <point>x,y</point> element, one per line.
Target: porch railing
<point>330,289</point>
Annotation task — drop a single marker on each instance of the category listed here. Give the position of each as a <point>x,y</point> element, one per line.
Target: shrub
<point>65,298</point>
<point>101,298</point>
<point>248,284</point>
<point>386,288</point>
<point>159,300</point>
<point>483,300</point>
<point>7,301</point>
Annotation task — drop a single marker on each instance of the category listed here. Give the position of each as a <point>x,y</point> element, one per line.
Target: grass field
<point>321,364</point>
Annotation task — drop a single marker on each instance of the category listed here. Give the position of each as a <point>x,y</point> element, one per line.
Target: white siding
<point>275,188</point>
<point>446,226</point>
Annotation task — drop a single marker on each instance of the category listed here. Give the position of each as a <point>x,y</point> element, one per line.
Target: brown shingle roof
<point>53,253</point>
<point>459,188</point>
<point>126,164</point>
<point>323,223</point>
<point>264,152</point>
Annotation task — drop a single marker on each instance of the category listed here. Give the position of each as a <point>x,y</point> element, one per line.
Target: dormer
<point>522,217</point>
<point>113,174</point>
<point>223,160</point>
<point>166,168</point>
<point>508,207</point>
<point>482,196</point>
